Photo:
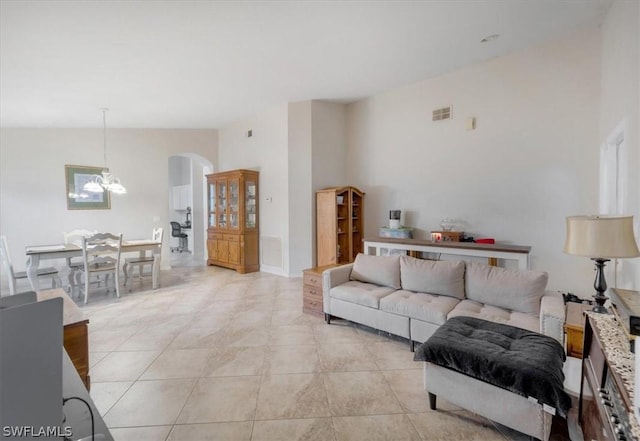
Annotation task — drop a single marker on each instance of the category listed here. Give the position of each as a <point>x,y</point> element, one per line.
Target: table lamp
<point>601,238</point>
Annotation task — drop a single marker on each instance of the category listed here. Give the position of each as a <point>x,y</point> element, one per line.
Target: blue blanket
<point>524,362</point>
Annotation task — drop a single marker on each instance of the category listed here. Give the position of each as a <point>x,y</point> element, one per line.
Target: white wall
<point>267,152</point>
<point>179,174</point>
<point>329,153</point>
<point>190,170</point>
<point>33,208</point>
<point>198,223</point>
<point>329,135</point>
<point>316,160</point>
<point>179,171</point>
<point>301,206</point>
<point>310,156</point>
<point>621,101</point>
<point>532,160</point>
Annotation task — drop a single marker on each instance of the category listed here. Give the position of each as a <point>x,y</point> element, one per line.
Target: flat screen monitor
<point>31,368</point>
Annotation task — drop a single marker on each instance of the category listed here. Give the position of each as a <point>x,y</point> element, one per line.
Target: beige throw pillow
<point>440,277</point>
<point>380,270</point>
<point>517,290</point>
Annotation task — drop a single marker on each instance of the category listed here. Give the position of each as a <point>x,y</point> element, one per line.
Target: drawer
<point>231,237</point>
<point>312,292</point>
<point>212,235</point>
<point>313,306</point>
<point>313,279</point>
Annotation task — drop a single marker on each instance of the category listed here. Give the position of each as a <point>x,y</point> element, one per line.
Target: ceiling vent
<point>441,114</point>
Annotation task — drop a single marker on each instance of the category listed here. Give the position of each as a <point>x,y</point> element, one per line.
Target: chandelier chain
<point>104,134</point>
<point>105,181</point>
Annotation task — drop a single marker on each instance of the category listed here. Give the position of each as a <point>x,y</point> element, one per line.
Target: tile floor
<point>214,355</point>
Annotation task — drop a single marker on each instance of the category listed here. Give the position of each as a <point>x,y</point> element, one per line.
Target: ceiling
<point>205,64</point>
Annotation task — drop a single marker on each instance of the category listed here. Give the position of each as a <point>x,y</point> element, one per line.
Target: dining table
<point>37,253</point>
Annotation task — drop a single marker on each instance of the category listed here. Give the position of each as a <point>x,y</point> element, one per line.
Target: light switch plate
<point>471,123</point>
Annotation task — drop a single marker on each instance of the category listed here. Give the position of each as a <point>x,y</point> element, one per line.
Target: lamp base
<point>600,286</point>
<point>600,300</point>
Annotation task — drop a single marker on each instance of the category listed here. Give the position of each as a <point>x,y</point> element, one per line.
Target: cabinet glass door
<point>212,204</point>
<point>234,198</point>
<point>222,204</point>
<point>250,202</point>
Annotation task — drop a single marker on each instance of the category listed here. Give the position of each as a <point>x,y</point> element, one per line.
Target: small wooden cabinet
<point>574,327</point>
<point>339,225</point>
<point>233,234</point>
<point>75,332</point>
<point>312,290</point>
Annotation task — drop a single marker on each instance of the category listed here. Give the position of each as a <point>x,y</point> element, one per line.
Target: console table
<point>607,385</point>
<point>519,253</point>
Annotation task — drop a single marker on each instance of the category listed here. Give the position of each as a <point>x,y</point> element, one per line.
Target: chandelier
<point>106,181</point>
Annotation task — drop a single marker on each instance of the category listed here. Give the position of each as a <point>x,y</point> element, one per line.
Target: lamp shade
<point>601,237</point>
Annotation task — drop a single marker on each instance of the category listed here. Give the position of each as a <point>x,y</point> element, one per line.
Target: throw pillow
<point>440,277</point>
<point>517,290</point>
<point>379,270</point>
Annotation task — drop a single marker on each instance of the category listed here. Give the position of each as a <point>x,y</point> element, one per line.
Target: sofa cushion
<point>432,276</point>
<point>470,308</point>
<point>380,270</point>
<point>365,294</point>
<point>519,290</point>
<point>426,307</point>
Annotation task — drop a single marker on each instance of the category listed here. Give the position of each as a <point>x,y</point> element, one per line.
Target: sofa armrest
<point>552,315</point>
<point>333,277</point>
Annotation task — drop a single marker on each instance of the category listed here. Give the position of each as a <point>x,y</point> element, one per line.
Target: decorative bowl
<point>447,224</point>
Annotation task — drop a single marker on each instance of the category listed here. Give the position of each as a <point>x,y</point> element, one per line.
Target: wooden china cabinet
<point>233,234</point>
<point>339,225</point>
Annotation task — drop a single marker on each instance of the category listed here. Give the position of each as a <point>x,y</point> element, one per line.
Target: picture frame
<point>77,199</point>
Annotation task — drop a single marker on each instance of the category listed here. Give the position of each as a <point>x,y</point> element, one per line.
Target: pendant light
<point>107,181</point>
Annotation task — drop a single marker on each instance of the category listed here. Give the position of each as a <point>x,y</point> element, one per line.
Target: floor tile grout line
<point>202,423</point>
<point>137,379</point>
<point>119,398</point>
<point>139,426</point>
<point>386,380</point>
<point>193,388</point>
<point>255,410</point>
<point>405,411</point>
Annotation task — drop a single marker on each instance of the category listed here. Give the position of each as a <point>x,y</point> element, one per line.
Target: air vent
<point>440,114</point>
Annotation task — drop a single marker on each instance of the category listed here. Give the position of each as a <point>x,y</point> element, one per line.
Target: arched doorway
<point>187,188</point>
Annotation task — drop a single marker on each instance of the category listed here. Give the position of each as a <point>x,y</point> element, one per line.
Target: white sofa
<point>412,297</point>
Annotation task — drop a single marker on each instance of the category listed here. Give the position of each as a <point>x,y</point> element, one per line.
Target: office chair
<point>176,231</point>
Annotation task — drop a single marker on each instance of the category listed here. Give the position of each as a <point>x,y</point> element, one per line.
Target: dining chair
<point>14,276</point>
<point>142,260</point>
<point>75,264</point>
<point>100,256</point>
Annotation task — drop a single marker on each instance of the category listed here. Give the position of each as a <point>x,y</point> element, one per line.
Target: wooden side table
<point>312,290</point>
<point>574,327</point>
<point>76,336</point>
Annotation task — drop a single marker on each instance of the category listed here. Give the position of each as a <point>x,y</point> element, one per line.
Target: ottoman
<point>506,374</point>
